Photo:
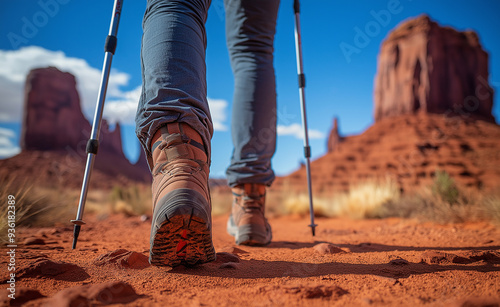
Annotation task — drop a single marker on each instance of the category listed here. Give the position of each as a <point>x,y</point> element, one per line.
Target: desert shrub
<point>444,187</point>
<point>131,200</point>
<point>426,205</point>
<point>365,200</point>
<point>35,207</point>
<point>299,204</point>
<point>444,202</point>
<point>491,207</point>
<point>441,202</point>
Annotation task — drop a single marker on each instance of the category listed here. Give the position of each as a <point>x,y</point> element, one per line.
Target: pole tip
<point>76,233</point>
<point>313,229</point>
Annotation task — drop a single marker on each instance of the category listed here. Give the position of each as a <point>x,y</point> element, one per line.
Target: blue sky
<point>70,34</point>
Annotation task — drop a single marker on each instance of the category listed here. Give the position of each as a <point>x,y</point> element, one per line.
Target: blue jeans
<point>174,79</point>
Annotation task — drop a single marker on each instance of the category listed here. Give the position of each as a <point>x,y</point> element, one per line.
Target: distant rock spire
<point>334,139</point>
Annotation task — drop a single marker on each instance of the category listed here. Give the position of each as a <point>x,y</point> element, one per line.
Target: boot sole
<point>181,231</point>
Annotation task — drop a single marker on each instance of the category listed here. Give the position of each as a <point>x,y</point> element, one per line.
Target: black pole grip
<point>296,6</point>
<point>302,81</point>
<point>307,151</point>
<point>92,146</point>
<point>110,45</point>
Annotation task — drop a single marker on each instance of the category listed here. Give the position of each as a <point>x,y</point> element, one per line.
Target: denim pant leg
<point>250,29</point>
<point>174,87</point>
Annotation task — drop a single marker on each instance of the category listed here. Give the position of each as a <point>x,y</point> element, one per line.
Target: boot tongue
<point>177,140</point>
<point>254,190</point>
<point>253,196</point>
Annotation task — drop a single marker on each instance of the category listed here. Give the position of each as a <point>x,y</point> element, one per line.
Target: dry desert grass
<point>35,207</point>
<point>441,202</point>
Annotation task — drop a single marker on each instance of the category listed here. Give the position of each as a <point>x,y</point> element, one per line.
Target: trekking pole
<point>302,85</point>
<point>93,142</point>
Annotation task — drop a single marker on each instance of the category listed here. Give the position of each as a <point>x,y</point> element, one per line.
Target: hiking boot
<point>181,229</point>
<point>247,223</point>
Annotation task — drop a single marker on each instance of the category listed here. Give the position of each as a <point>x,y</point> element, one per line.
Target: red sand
<point>387,262</point>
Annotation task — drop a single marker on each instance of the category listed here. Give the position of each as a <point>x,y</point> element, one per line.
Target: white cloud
<point>123,109</point>
<point>7,132</point>
<point>120,105</point>
<point>15,66</point>
<point>296,131</point>
<point>218,112</point>
<point>7,146</point>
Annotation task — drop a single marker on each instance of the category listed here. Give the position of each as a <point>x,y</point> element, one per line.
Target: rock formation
<point>426,75</point>
<point>423,67</point>
<point>408,149</point>
<point>111,140</point>
<point>54,136</point>
<point>334,139</point>
<point>53,118</point>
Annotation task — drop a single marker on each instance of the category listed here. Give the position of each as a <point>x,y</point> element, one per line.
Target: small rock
<point>226,257</point>
<point>433,257</point>
<point>317,292</point>
<point>57,270</point>
<point>328,248</point>
<point>399,261</point>
<point>347,249</point>
<point>34,241</point>
<point>459,259</point>
<point>110,257</point>
<point>124,258</point>
<point>144,218</point>
<point>135,260</point>
<point>488,256</point>
<point>23,295</point>
<point>229,265</point>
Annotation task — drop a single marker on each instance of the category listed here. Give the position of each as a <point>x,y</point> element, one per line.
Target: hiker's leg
<point>173,69</point>
<point>250,29</point>
<point>174,127</point>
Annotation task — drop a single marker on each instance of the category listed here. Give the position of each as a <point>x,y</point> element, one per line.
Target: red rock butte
<point>54,135</point>
<point>423,67</point>
<point>432,112</point>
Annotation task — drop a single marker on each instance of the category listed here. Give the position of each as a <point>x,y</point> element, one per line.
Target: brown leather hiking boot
<point>247,223</point>
<point>181,229</point>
